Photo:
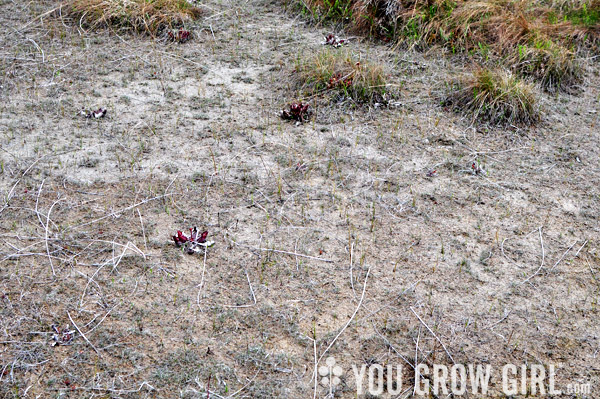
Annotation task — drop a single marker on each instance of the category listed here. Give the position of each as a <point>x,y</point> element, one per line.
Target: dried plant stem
<point>251,292</point>
<point>201,285</point>
<point>46,237</point>
<point>83,335</point>
<point>351,276</point>
<point>116,213</point>
<point>362,297</point>
<point>434,335</point>
<point>294,254</point>
<point>143,230</point>
<point>563,255</point>
<point>543,258</point>
<point>314,340</point>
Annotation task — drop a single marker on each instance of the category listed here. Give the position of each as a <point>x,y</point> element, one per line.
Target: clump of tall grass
<point>464,24</point>
<point>502,27</point>
<point>343,73</point>
<point>144,16</point>
<point>495,96</point>
<point>555,67</point>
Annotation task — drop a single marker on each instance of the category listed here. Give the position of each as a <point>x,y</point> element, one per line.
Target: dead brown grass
<point>139,15</point>
<point>555,67</point>
<point>462,24</point>
<point>495,96</point>
<point>491,28</point>
<point>343,73</point>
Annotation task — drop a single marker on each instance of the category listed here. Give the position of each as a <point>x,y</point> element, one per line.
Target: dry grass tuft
<point>463,25</point>
<point>343,73</point>
<point>497,28</point>
<point>554,66</point>
<point>144,16</point>
<point>495,96</point>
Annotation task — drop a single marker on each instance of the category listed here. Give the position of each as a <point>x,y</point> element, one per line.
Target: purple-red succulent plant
<point>95,114</point>
<point>297,111</point>
<point>181,238</point>
<point>338,80</point>
<point>191,242</point>
<point>180,36</point>
<point>333,40</point>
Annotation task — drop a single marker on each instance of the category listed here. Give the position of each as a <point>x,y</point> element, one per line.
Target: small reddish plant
<point>333,40</point>
<point>62,336</point>
<point>297,112</point>
<point>476,169</point>
<point>93,114</point>
<point>194,242</point>
<point>180,36</point>
<point>339,81</point>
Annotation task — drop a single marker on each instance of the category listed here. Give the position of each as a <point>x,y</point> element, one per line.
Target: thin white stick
<point>417,356</point>
<point>351,276</point>
<point>40,17</point>
<point>362,297</point>
<point>102,319</point>
<point>250,285</point>
<point>47,246</point>
<point>10,193</point>
<point>580,248</point>
<point>432,333</point>
<point>563,255</point>
<point>143,230</point>
<point>113,308</point>
<point>251,291</point>
<point>39,49</point>
<point>315,368</point>
<point>245,386</point>
<point>387,341</point>
<point>296,250</point>
<point>83,335</point>
<point>499,321</point>
<point>201,285</point>
<point>293,254</point>
<point>543,258</point>
<point>115,264</point>
<point>118,391</point>
<point>136,248</point>
<point>37,201</point>
<point>389,304</point>
<point>123,210</point>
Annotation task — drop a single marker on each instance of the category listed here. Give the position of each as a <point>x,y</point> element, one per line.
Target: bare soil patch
<point>488,233</point>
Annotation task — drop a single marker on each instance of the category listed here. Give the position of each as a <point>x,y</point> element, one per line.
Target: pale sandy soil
<point>503,267</point>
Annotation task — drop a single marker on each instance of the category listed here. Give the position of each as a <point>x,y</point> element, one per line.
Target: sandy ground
<point>489,268</point>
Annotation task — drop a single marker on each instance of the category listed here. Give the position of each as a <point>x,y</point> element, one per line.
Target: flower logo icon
<point>330,372</point>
